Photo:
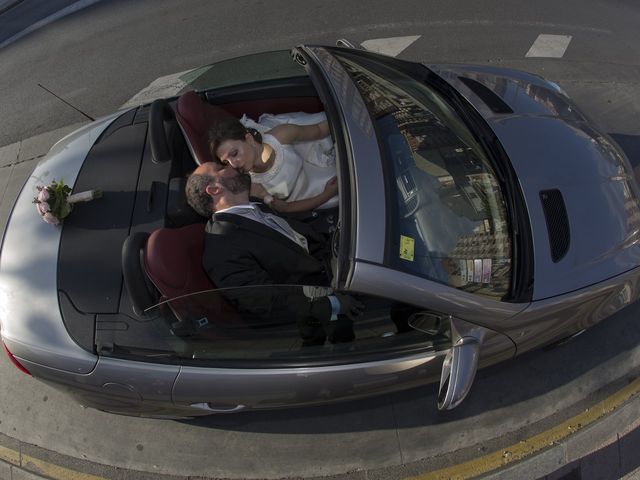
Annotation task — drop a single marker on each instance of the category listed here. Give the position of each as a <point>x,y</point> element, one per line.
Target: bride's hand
<point>331,187</point>
<point>258,191</point>
<point>278,205</point>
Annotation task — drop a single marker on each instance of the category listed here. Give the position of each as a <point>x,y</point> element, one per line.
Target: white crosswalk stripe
<point>549,46</point>
<point>162,87</point>
<point>392,46</point>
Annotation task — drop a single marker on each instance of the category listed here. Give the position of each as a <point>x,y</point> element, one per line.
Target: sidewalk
<point>605,450</point>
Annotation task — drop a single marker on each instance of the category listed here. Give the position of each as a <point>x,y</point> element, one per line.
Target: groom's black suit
<point>239,252</point>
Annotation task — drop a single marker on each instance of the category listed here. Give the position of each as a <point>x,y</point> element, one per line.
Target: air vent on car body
<point>555,214</point>
<point>493,101</point>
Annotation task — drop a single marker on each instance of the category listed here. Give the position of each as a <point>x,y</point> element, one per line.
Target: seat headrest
<point>195,118</point>
<point>191,109</point>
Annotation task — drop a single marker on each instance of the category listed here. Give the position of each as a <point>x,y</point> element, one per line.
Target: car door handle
<point>213,409</point>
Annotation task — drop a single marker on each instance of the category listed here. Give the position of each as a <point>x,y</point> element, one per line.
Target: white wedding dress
<point>299,170</point>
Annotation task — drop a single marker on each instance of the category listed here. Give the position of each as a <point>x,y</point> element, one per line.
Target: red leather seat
<point>195,118</point>
<point>173,262</point>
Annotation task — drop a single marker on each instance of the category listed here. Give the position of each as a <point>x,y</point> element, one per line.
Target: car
<point>481,215</point>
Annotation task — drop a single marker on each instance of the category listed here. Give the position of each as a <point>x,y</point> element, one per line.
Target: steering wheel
<point>161,112</point>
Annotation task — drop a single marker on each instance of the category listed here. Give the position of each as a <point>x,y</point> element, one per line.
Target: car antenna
<point>63,100</point>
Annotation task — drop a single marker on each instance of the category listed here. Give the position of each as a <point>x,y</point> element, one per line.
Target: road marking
<point>40,467</point>
<point>162,87</point>
<point>392,46</point>
<point>537,443</point>
<point>55,472</point>
<point>550,46</point>
<point>9,456</point>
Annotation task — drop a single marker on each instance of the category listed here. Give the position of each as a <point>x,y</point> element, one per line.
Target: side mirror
<point>458,372</point>
<point>461,360</point>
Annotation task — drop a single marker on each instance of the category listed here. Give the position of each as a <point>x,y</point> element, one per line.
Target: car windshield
<point>251,68</point>
<point>446,214</point>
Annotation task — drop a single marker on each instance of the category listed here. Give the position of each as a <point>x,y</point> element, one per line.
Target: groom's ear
<point>212,189</point>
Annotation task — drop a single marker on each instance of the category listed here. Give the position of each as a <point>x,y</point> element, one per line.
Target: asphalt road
<point>99,57</point>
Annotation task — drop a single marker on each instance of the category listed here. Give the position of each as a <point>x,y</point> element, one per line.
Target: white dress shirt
<point>280,225</point>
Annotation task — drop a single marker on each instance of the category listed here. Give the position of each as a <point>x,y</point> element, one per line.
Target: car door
<point>236,357</point>
<point>427,221</point>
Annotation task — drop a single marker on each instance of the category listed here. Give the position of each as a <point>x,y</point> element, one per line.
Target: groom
<point>244,246</point>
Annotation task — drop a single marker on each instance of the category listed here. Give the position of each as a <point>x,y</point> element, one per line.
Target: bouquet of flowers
<point>54,202</point>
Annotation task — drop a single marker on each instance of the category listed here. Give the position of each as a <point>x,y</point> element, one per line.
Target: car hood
<point>553,146</point>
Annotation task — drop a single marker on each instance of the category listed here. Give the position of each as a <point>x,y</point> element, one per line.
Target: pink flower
<point>43,196</point>
<point>43,207</point>
<point>49,218</point>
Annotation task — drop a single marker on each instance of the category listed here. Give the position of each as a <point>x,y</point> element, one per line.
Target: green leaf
<point>64,210</point>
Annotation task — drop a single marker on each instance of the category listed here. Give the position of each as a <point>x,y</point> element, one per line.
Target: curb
<point>604,448</point>
<point>34,147</point>
<point>51,18</point>
<point>6,5</point>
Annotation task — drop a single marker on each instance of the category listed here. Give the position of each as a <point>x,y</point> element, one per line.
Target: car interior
<point>173,253</point>
<point>145,243</point>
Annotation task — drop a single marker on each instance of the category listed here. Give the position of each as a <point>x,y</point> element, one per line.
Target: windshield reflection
<point>265,323</point>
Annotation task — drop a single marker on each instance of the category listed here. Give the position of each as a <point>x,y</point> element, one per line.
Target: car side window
<point>293,324</point>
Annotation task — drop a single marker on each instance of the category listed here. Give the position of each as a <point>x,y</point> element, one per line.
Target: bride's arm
<point>289,133</point>
<point>307,204</point>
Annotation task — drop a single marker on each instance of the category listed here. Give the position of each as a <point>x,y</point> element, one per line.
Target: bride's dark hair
<point>229,129</point>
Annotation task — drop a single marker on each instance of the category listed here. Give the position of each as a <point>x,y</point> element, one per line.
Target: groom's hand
<point>350,306</point>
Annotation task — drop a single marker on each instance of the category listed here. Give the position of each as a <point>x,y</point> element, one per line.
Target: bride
<point>292,166</point>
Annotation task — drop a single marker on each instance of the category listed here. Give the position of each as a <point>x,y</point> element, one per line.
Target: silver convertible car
<point>481,215</point>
